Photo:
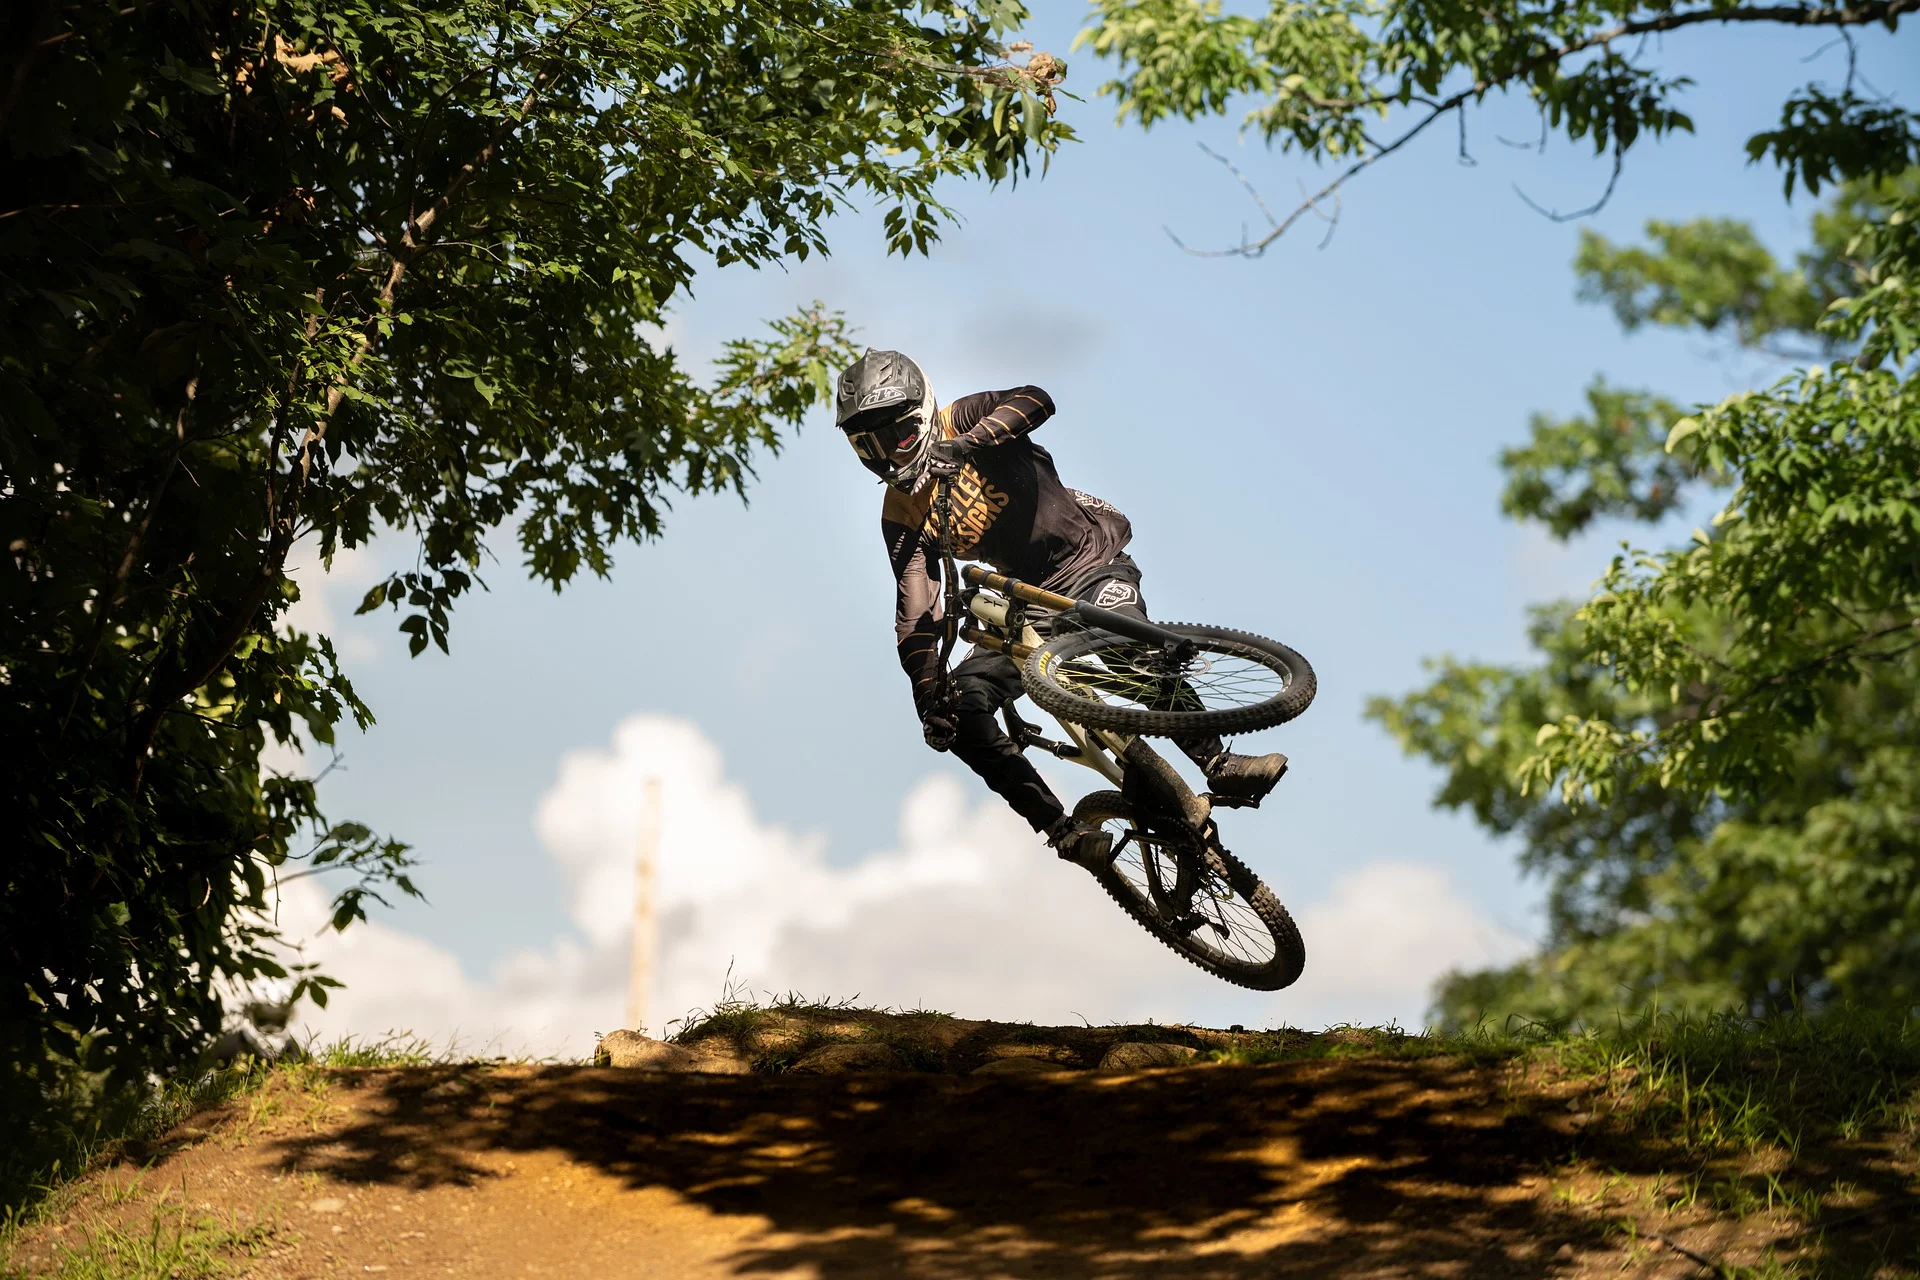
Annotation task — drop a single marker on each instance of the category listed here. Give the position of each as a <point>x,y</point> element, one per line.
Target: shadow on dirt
<point>1408,1168</point>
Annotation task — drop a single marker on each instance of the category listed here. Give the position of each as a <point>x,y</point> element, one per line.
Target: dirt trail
<point>1349,1167</point>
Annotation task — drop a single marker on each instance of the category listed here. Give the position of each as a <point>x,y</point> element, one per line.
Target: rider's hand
<point>946,457</point>
<point>939,729</point>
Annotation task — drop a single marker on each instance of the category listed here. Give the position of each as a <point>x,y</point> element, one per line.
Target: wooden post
<point>640,972</point>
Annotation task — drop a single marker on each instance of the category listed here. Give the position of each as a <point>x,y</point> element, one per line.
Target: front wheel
<point>1201,901</point>
<point>1229,682</point>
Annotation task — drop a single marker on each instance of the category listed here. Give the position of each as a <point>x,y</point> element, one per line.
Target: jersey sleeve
<point>917,608</point>
<point>988,418</point>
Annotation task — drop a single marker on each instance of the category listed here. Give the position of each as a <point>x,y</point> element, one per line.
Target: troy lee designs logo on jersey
<point>1092,503</point>
<point>976,505</point>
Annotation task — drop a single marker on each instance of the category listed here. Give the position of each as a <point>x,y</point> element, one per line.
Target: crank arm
<point>1026,735</point>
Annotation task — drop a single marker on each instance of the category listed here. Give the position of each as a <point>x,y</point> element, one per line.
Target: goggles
<point>883,441</point>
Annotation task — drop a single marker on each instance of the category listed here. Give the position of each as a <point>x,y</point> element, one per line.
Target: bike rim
<point>1125,673</point>
<point>1202,909</point>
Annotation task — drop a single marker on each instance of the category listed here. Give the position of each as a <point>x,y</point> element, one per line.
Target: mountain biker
<point>1009,509</point>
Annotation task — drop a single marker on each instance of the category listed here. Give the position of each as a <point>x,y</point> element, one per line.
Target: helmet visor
<point>879,441</point>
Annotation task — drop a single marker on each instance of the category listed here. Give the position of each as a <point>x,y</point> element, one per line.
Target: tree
<point>1736,823</point>
<point>1350,82</point>
<point>284,269</point>
<point>1727,728</point>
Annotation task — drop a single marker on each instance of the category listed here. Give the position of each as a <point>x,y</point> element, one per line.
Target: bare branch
<point>1613,180</point>
<point>1310,204</point>
<point>1882,11</point>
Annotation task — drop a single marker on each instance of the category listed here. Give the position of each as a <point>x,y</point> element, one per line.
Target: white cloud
<point>1390,929</point>
<point>970,913</point>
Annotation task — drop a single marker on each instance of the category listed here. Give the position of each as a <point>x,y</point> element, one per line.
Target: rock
<point>332,1204</point>
<point>1136,1055</point>
<point>644,1053</point>
<point>1020,1066</point>
<point>837,1059</point>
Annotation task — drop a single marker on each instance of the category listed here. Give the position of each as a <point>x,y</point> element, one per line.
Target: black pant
<point>986,681</point>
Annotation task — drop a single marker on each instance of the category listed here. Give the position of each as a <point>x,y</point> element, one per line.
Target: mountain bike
<point>1111,680</point>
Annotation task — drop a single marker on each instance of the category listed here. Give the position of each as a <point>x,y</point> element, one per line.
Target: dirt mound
<point>835,1040</point>
<point>967,1149</point>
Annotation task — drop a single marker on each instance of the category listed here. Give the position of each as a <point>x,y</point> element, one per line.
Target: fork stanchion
<point>975,576</point>
<point>1178,647</point>
<point>998,644</point>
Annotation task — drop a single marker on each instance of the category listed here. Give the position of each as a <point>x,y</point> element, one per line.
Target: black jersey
<point>1009,510</point>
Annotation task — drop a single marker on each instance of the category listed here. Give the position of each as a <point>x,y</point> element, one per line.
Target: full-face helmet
<point>885,405</point>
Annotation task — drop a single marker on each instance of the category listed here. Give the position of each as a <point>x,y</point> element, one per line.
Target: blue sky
<point>1305,445</point>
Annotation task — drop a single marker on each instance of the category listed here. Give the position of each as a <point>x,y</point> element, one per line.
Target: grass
<point>1708,1083</point>
<point>72,1135</point>
<point>172,1243</point>
<point>1762,1111</point>
<point>42,1181</point>
<point>1729,1083</point>
<point>799,1025</point>
<point>73,1138</point>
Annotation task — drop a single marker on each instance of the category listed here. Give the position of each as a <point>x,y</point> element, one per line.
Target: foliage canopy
<point>275,270</point>
<point>1732,724</point>
<point>1353,81</point>
<point>1716,761</point>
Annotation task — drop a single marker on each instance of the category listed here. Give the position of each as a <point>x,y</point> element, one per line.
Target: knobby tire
<point>1289,951</point>
<point>1049,675</point>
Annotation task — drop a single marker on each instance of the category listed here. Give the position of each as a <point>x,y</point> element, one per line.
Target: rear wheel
<point>1201,901</point>
<point>1230,682</point>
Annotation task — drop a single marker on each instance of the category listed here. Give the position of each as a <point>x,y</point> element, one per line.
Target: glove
<point>946,457</point>
<point>939,729</point>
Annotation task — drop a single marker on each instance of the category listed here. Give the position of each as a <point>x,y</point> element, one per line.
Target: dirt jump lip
<point>1016,1151</point>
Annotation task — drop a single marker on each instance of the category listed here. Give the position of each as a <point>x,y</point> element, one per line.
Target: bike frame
<point>995,608</point>
<point>995,605</point>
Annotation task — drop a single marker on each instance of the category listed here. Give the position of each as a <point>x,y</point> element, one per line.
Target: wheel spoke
<point>1125,673</point>
<point>1213,922</point>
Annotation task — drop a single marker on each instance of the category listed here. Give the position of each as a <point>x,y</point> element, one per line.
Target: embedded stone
<point>1137,1055</point>
<point>1020,1066</point>
<point>636,1052</point>
<point>838,1059</point>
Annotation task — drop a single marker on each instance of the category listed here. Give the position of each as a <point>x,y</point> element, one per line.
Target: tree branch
<point>1619,159</point>
<point>1887,11</point>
